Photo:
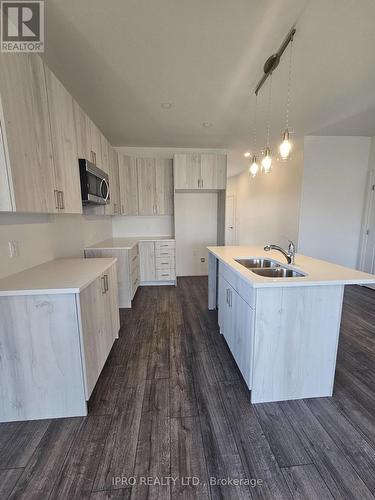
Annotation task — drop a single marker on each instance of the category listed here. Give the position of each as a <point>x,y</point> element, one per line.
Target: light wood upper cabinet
<point>95,144</point>
<point>25,124</point>
<point>104,165</point>
<point>196,171</point>
<point>146,186</point>
<point>82,131</point>
<point>128,185</point>
<point>213,171</point>
<point>163,187</point>
<point>155,186</point>
<point>187,171</point>
<point>114,183</point>
<point>64,143</point>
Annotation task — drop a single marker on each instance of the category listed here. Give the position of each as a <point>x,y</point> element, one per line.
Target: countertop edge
<point>106,261</point>
<point>281,282</point>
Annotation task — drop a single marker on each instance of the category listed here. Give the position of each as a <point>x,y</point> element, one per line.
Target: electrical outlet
<point>14,249</point>
<point>203,259</point>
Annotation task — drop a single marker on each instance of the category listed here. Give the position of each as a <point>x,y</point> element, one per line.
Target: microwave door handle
<point>103,181</point>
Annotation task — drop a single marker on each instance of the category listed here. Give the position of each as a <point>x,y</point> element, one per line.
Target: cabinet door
<point>64,142</point>
<point>95,143</point>
<point>147,261</point>
<point>112,318</point>
<point>128,185</point>
<point>187,171</point>
<point>164,187</point>
<point>114,183</point>
<point>104,145</point>
<point>243,336</point>
<point>213,171</point>
<point>82,132</point>
<point>28,134</point>
<point>146,186</point>
<point>222,303</point>
<point>92,313</point>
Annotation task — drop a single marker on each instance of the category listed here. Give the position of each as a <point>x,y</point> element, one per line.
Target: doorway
<point>367,259</point>
<point>230,220</point>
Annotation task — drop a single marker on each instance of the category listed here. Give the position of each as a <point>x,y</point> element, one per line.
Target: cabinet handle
<point>56,199</point>
<point>135,282</point>
<point>201,182</point>
<point>122,209</point>
<point>166,263</point>
<point>103,285</point>
<point>106,282</point>
<point>230,298</point>
<point>164,245</point>
<point>93,157</point>
<point>165,274</point>
<point>62,200</point>
<point>135,256</point>
<point>227,295</point>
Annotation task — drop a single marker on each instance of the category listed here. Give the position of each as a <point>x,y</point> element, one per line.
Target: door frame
<point>231,195</point>
<point>369,201</point>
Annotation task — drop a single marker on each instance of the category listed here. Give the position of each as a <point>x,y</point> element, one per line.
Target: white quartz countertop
<point>55,277</point>
<point>125,243</point>
<point>318,272</point>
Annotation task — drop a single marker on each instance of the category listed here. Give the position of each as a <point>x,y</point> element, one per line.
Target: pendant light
<point>267,158</point>
<point>254,167</point>
<point>286,146</point>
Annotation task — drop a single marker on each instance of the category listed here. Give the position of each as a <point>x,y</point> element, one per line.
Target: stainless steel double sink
<point>269,268</point>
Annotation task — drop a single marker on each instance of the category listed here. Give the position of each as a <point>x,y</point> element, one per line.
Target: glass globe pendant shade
<point>286,146</point>
<point>254,167</point>
<point>267,161</point>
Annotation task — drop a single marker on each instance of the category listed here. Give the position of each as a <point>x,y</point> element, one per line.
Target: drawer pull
<point>164,253</point>
<point>135,256</point>
<point>165,274</point>
<point>166,263</point>
<point>135,282</point>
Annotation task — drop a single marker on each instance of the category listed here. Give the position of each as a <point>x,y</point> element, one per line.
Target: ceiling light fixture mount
<point>166,105</point>
<point>206,124</point>
<point>273,61</point>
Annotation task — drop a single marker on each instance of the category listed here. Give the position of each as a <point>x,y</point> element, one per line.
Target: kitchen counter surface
<point>55,277</point>
<point>125,243</point>
<point>318,272</point>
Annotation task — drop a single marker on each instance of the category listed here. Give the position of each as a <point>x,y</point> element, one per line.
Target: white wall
<point>333,192</point>
<point>267,207</point>
<point>142,226</point>
<point>45,237</point>
<point>196,228</point>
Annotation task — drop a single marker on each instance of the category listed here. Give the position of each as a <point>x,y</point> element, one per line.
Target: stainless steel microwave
<point>94,184</point>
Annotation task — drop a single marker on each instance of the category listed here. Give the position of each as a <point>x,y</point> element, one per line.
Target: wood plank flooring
<point>171,418</point>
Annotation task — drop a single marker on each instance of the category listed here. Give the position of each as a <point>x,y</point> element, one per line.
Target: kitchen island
<point>282,331</point>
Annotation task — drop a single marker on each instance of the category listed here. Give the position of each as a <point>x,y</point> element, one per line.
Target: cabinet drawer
<point>242,287</point>
<point>162,245</point>
<point>165,275</point>
<point>165,252</point>
<point>167,262</point>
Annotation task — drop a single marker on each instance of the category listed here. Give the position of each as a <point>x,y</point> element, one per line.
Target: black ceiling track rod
<point>273,61</point>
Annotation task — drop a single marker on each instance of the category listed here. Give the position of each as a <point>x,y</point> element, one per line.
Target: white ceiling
<point>122,58</point>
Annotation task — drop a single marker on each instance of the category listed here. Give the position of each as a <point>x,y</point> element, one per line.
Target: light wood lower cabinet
<point>127,271</point>
<point>53,348</point>
<point>99,314</point>
<point>147,261</point>
<point>236,322</point>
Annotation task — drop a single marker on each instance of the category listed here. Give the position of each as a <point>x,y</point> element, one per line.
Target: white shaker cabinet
<point>26,135</point>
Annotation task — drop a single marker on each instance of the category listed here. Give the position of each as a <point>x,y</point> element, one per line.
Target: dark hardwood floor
<point>170,404</point>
